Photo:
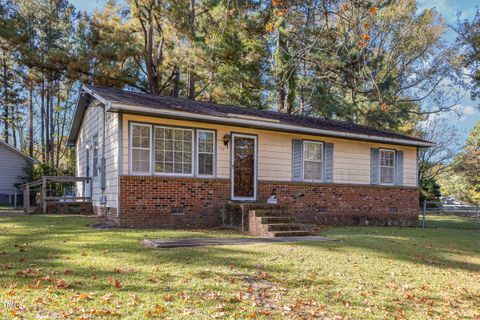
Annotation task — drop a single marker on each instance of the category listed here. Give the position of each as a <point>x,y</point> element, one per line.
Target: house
<point>168,162</point>
<point>13,165</point>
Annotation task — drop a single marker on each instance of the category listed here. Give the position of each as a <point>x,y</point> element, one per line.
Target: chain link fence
<point>436,214</point>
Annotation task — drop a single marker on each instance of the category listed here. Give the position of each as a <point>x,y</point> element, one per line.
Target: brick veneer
<point>343,204</point>
<point>147,201</point>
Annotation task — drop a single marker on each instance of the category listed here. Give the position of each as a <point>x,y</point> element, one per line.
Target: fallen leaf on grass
<point>84,296</point>
<point>108,297</point>
<point>168,297</point>
<point>62,284</point>
<point>21,273</point>
<point>117,283</point>
<point>11,292</point>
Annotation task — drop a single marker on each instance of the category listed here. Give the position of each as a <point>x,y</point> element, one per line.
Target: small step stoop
<point>267,220</point>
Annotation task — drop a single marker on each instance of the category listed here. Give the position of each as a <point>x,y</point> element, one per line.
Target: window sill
<point>314,181</point>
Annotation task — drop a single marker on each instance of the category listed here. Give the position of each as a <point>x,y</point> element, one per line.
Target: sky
<point>468,110</point>
<point>466,113</point>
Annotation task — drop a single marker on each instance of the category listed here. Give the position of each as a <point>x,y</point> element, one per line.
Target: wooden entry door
<point>244,167</point>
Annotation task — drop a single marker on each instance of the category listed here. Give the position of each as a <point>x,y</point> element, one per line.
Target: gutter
<point>261,124</point>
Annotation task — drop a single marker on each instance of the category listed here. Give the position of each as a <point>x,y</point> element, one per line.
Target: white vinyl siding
<point>387,166</point>
<point>312,161</point>
<point>351,158</point>
<point>92,124</point>
<point>205,152</point>
<point>12,169</point>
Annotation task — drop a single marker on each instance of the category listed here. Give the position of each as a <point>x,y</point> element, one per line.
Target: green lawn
<point>56,267</point>
<point>452,222</point>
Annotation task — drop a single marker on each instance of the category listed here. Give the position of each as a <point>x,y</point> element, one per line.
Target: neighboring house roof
<point>15,150</point>
<point>141,103</point>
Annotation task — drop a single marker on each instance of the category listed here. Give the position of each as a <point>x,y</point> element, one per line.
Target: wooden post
<point>43,195</point>
<point>26,198</point>
<point>424,212</point>
<point>15,198</point>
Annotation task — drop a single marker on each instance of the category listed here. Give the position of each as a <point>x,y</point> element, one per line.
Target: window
<point>312,160</point>
<point>140,153</point>
<point>170,151</point>
<point>95,155</point>
<point>387,166</point>
<point>205,152</point>
<point>173,151</point>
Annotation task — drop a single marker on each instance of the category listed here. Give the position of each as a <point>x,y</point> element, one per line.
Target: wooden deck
<point>43,186</point>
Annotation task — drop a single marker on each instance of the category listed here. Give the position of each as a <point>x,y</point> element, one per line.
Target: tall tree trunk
<point>14,129</point>
<point>191,78</point>
<point>43,122</point>
<point>176,82</point>
<point>47,122</point>
<point>52,130</point>
<point>280,74</point>
<point>285,76</point>
<point>30,121</point>
<point>6,117</point>
<point>62,127</point>
<point>191,86</point>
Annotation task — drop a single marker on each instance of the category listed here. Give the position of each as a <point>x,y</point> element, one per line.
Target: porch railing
<point>49,189</point>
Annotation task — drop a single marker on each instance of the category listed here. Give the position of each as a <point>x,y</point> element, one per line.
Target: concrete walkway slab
<point>198,242</point>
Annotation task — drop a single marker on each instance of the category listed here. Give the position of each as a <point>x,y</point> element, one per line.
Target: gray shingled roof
<point>123,97</point>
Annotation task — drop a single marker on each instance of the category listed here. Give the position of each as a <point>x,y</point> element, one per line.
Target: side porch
<point>57,194</point>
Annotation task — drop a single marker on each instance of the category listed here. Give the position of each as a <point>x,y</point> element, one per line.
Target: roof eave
<point>82,104</point>
<point>116,107</point>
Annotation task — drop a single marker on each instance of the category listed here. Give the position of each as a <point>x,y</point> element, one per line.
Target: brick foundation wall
<point>346,204</point>
<point>147,202</point>
<point>68,208</point>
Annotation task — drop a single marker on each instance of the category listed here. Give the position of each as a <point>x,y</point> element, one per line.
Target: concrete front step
<point>274,221</point>
<point>285,227</point>
<point>298,233</point>
<point>281,219</point>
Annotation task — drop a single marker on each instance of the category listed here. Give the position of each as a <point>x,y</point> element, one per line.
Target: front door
<point>244,167</point>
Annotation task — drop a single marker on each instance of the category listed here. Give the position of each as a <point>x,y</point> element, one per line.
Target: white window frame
<point>321,161</point>
<point>152,158</point>
<point>197,154</point>
<point>394,167</point>
<point>130,147</point>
